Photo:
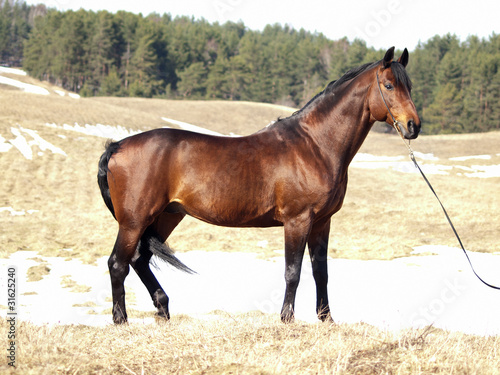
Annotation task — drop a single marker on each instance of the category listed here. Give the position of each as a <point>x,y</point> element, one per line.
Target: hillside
<point>50,203</point>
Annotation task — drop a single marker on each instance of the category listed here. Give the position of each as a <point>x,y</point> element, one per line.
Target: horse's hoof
<point>161,317</point>
<point>326,318</point>
<point>120,320</point>
<point>287,318</point>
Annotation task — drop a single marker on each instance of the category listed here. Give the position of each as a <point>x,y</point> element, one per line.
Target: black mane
<point>398,70</point>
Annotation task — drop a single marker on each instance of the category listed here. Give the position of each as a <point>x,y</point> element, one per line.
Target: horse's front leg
<point>318,250</point>
<point>296,233</point>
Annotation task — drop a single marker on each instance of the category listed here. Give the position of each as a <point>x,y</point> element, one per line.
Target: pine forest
<point>456,84</point>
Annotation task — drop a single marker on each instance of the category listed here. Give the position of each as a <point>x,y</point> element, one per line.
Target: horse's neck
<point>340,124</point>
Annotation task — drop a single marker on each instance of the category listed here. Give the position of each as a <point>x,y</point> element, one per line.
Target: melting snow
<point>190,127</point>
<point>464,158</point>
<point>33,89</point>
<point>362,157</point>
<point>397,163</point>
<point>485,171</point>
<point>16,213</point>
<point>21,144</point>
<point>407,292</point>
<point>19,72</point>
<point>24,86</point>
<point>104,131</point>
<point>24,146</point>
<point>4,146</point>
<point>422,156</point>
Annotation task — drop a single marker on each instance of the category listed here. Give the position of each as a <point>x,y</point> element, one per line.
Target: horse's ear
<point>389,55</point>
<point>403,59</point>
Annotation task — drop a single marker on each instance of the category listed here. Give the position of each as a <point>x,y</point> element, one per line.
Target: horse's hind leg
<point>140,263</point>
<point>159,232</point>
<point>118,263</point>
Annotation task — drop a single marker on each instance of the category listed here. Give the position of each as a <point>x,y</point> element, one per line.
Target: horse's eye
<point>389,86</point>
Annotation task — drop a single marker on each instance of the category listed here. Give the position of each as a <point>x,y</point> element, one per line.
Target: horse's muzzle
<point>411,131</point>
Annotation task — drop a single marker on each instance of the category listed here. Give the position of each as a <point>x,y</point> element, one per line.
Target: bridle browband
<point>412,157</point>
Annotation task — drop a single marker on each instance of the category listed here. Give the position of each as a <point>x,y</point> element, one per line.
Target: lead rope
<point>412,157</point>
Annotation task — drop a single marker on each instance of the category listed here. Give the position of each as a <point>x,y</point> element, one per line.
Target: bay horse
<point>292,173</point>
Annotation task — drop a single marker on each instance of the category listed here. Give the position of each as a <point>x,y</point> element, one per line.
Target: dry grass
<point>252,343</point>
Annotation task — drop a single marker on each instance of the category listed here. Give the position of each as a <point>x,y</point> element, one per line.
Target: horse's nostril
<point>411,126</point>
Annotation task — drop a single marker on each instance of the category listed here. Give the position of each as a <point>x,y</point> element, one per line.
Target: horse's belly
<point>228,214</point>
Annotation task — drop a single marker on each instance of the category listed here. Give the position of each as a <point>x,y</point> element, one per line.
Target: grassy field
<point>249,344</point>
<point>385,215</point>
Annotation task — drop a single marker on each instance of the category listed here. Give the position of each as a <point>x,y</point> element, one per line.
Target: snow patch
<point>384,162</point>
<point>4,146</point>
<point>21,144</point>
<point>485,171</point>
<point>42,143</point>
<point>415,291</point>
<point>19,72</point>
<point>197,129</point>
<point>104,131</point>
<point>191,127</point>
<point>263,243</point>
<point>24,86</point>
<point>14,212</point>
<point>422,156</point>
<point>25,147</point>
<point>33,89</point>
<point>362,157</point>
<point>397,163</point>
<point>464,158</point>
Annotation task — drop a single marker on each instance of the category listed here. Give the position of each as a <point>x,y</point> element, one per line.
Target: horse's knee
<point>117,270</point>
<point>292,275</point>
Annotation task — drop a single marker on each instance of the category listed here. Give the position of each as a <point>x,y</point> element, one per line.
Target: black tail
<point>102,174</point>
<point>150,241</point>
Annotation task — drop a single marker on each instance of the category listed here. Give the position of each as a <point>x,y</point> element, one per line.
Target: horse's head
<point>390,96</point>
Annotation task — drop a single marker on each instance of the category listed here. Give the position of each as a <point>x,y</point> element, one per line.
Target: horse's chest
<point>333,198</point>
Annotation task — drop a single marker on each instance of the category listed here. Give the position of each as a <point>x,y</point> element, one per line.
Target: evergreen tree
<point>14,30</point>
<point>192,81</point>
<point>102,57</point>
<point>443,115</point>
<point>456,85</point>
<point>217,79</point>
<point>111,84</point>
<point>144,64</point>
